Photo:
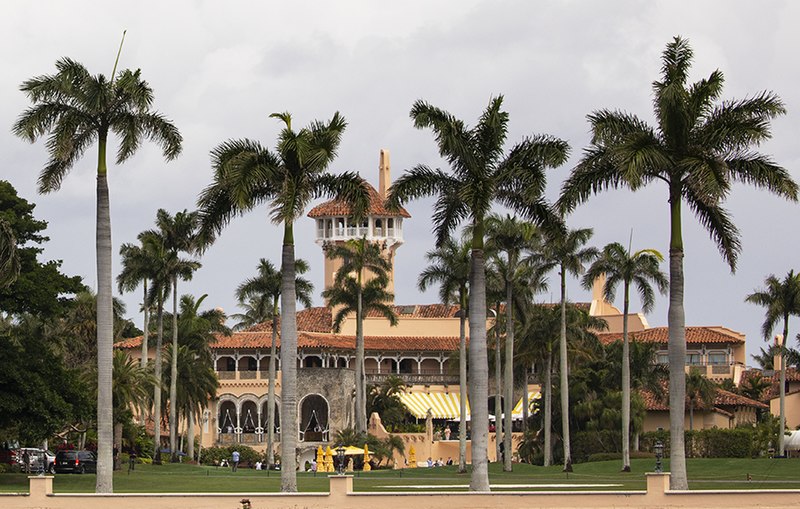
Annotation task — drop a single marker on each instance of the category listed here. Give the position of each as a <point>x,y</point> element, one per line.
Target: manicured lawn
<point>703,474</point>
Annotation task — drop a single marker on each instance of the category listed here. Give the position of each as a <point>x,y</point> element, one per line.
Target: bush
<point>710,443</point>
<point>5,468</point>
<point>588,443</point>
<point>213,455</point>
<point>609,456</point>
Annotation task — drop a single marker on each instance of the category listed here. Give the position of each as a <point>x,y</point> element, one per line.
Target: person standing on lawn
<point>234,461</point>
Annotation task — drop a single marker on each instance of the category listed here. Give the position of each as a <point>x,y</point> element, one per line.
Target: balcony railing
<point>415,378</point>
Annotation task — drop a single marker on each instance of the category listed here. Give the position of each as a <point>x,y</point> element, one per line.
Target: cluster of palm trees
<point>698,148</point>
<point>157,264</point>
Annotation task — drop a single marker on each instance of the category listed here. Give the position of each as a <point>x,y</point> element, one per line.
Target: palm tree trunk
<point>289,426</point>
<point>271,388</point>
<point>361,399</point>
<point>691,415</point>
<point>508,381</point>
<point>190,424</point>
<point>478,367</point>
<point>117,444</point>
<point>564,369</point>
<point>548,408</point>
<point>462,380</point>
<point>145,338</point>
<point>626,386</point>
<point>159,378</point>
<point>173,378</point>
<point>146,334</point>
<point>782,393</point>
<point>525,402</point>
<point>498,436</point>
<point>676,322</point>
<point>105,330</point>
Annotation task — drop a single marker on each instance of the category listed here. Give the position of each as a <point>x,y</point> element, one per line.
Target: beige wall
<point>702,420</point>
<point>792,409</point>
<point>341,496</point>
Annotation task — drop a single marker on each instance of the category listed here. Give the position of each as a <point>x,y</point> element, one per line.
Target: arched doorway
<point>314,412</point>
<point>227,421</point>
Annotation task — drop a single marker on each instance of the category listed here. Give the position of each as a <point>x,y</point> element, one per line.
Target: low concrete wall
<point>341,496</point>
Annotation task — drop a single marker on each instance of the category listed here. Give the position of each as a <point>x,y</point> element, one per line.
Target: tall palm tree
<point>782,300</point>
<point>180,236</point>
<point>700,392</point>
<point>481,175</point>
<point>698,149</point>
<point>512,237</point>
<point>264,291</point>
<point>619,265</point>
<point>247,174</point>
<point>9,260</point>
<point>565,251</point>
<point>360,258</point>
<point>449,266</point>
<point>77,109</point>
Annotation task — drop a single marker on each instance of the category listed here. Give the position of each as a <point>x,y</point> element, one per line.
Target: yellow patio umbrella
<point>329,459</point>
<point>366,468</point>
<point>320,459</point>
<point>412,457</point>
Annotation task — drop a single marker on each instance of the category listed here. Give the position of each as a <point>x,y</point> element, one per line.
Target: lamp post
<point>340,454</point>
<point>659,450</point>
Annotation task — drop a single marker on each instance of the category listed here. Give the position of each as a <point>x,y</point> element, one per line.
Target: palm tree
<point>564,250</point>
<point>9,260</point>
<point>137,263</point>
<point>641,268</point>
<point>699,390</point>
<point>180,236</point>
<point>782,300</point>
<point>78,109</point>
<point>247,174</point>
<point>131,390</point>
<point>698,149</point>
<point>449,267</point>
<point>481,175</point>
<point>197,379</point>
<point>358,257</point>
<point>754,386</point>
<point>512,237</point>
<point>264,292</point>
<point>348,296</point>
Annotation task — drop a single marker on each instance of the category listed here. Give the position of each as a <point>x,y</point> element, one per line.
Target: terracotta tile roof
<point>723,399</point>
<point>693,335</point>
<point>129,343</point>
<point>316,319</point>
<point>247,340</point>
<point>340,208</point>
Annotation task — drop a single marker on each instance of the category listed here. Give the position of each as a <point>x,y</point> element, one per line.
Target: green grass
<point>703,474</point>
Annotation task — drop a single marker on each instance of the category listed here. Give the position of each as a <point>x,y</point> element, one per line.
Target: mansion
<point>422,349</point>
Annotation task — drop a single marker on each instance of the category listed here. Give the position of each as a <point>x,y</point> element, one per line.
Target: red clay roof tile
<point>340,208</point>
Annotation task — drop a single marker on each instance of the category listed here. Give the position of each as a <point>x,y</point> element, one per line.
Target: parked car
<point>76,462</point>
<point>35,457</point>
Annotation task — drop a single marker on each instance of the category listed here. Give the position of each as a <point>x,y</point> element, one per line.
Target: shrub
<point>5,468</point>
<point>213,455</point>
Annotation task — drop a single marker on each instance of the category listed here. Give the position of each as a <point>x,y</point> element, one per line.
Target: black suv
<point>77,462</point>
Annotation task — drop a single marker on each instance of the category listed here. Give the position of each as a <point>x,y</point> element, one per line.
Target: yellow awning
<point>442,405</point>
<point>517,412</point>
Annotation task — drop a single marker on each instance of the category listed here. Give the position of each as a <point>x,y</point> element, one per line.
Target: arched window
<point>226,419</point>
<point>314,418</point>
<point>249,417</point>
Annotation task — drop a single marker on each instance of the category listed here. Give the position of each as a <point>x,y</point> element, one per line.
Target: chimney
<point>776,360</point>
<point>384,172</point>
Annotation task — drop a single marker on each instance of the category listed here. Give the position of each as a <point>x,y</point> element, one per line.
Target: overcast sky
<point>220,68</point>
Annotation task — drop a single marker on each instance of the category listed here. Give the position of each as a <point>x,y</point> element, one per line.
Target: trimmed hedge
<point>213,455</point>
<point>710,443</point>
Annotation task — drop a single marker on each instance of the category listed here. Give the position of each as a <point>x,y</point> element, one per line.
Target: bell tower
<point>335,224</point>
